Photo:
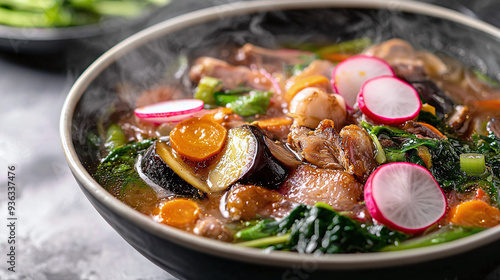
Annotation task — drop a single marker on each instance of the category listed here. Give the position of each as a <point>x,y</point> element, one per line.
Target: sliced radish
<point>389,100</point>
<point>404,196</point>
<point>276,85</point>
<point>169,111</point>
<point>350,74</point>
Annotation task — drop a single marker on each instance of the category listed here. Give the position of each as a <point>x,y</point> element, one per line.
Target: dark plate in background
<point>72,49</point>
<point>43,41</point>
<point>66,48</point>
<point>49,40</point>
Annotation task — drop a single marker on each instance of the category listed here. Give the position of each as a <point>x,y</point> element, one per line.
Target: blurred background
<point>59,235</point>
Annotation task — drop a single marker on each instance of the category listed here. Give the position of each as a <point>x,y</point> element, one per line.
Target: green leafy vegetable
<point>35,5</point>
<point>433,120</point>
<point>445,156</point>
<point>318,229</point>
<point>266,241</point>
<point>351,46</point>
<point>116,171</point>
<point>296,69</point>
<point>403,140</point>
<point>244,101</point>
<point>321,52</point>
<point>206,89</point>
<point>485,79</point>
<point>446,234</point>
<point>53,16</point>
<point>489,146</point>
<point>114,137</point>
<point>245,104</point>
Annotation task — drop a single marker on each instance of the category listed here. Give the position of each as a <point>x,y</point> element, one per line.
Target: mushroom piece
<point>245,202</point>
<point>434,96</point>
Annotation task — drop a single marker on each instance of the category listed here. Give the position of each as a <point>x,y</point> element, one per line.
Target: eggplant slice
<point>434,96</point>
<point>246,159</point>
<point>163,168</point>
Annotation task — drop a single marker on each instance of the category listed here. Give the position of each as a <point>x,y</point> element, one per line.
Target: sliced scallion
<point>472,163</point>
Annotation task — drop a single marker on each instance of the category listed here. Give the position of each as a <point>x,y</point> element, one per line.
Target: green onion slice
<point>472,163</point>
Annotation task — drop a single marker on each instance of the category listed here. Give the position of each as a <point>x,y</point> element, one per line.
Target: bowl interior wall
<point>158,62</point>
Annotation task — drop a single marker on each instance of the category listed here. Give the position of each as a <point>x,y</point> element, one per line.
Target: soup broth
<point>291,146</point>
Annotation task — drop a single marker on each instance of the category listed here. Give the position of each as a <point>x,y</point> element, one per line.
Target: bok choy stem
<point>266,241</point>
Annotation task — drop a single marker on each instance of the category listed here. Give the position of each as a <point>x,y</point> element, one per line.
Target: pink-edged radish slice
<point>169,111</point>
<point>276,85</point>
<point>405,197</point>
<point>350,74</point>
<point>389,100</point>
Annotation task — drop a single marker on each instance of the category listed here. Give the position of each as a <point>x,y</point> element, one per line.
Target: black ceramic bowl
<point>149,57</point>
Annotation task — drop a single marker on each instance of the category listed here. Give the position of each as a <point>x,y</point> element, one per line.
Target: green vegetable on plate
<point>59,13</point>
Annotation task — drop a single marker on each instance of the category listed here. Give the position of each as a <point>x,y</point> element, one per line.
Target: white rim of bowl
<point>227,250</point>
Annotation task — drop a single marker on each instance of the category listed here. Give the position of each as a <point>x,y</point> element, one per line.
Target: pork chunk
<point>309,185</point>
<point>357,151</point>
<point>351,150</point>
<point>316,147</point>
<point>232,76</point>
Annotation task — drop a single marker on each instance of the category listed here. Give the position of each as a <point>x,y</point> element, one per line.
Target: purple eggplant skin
<point>157,170</point>
<point>433,95</point>
<point>266,170</point>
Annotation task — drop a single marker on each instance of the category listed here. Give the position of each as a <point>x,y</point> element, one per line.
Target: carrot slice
<point>482,195</point>
<point>493,104</point>
<point>198,139</point>
<point>217,115</point>
<point>180,212</point>
<point>428,108</point>
<point>425,155</point>
<point>474,213</point>
<point>311,81</point>
<point>273,123</point>
<point>433,129</point>
<point>336,57</point>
